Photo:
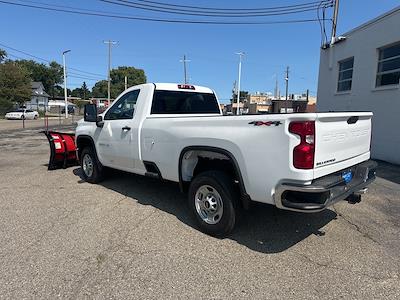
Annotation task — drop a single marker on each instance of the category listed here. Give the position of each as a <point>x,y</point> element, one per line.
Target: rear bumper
<point>324,191</point>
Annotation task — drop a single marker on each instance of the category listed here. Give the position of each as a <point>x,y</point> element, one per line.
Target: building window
<point>388,66</point>
<point>345,74</point>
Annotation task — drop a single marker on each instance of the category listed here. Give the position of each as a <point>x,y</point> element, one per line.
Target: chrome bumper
<point>324,191</point>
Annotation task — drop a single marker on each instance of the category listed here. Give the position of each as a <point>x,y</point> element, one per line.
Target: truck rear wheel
<point>91,168</point>
<point>213,201</point>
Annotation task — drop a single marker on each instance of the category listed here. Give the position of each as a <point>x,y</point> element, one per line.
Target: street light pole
<point>65,84</point>
<point>287,89</point>
<point>241,54</point>
<point>110,43</point>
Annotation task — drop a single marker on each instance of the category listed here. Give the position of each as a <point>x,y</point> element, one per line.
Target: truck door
<point>117,144</point>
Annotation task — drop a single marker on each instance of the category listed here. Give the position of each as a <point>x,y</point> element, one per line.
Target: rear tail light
<point>303,154</point>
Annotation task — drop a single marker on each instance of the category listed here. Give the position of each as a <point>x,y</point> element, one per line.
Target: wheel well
<point>217,164</point>
<point>83,142</point>
<point>197,159</point>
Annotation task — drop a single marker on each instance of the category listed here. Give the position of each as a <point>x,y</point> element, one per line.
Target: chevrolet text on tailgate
<point>300,162</point>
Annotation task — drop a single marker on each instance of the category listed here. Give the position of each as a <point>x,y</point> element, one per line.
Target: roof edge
<point>375,20</point>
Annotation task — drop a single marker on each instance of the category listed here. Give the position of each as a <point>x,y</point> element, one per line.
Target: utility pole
<point>126,82</point>
<point>241,54</point>
<point>334,21</point>
<point>287,88</point>
<point>110,43</point>
<point>276,87</point>
<point>65,83</point>
<point>184,61</point>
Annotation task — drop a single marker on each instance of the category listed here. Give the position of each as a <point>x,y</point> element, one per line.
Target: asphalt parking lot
<point>131,237</point>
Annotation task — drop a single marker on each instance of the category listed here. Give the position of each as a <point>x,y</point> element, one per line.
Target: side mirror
<point>90,113</point>
<point>99,121</point>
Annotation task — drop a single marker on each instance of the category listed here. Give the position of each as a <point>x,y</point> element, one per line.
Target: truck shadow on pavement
<point>263,228</point>
<point>388,171</point>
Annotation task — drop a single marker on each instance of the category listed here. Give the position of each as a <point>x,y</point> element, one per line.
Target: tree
<point>58,91</point>
<point>82,92</point>
<point>77,92</point>
<point>85,91</point>
<point>243,94</point>
<point>50,76</point>
<point>134,76</point>
<point>242,98</point>
<point>15,85</point>
<point>56,76</point>
<point>99,90</point>
<point>3,55</point>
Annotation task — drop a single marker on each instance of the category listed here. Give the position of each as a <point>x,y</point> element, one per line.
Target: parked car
<point>301,162</point>
<point>22,113</point>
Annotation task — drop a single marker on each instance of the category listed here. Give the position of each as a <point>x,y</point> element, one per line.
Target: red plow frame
<point>62,149</point>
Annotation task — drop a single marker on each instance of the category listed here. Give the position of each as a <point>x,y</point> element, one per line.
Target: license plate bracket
<point>347,176</point>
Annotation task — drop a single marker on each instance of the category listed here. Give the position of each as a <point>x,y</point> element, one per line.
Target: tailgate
<point>341,137</point>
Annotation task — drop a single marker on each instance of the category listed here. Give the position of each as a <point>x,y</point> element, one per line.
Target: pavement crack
<point>120,200</point>
<point>318,264</point>
<point>356,226</point>
<point>330,265</point>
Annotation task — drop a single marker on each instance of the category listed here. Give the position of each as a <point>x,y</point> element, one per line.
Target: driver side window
<point>124,108</point>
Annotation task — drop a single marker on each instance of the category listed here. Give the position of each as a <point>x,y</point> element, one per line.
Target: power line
<point>223,9</point>
<point>275,12</point>
<point>86,77</point>
<point>75,75</point>
<point>45,60</point>
<point>216,10</point>
<point>80,77</point>
<point>322,6</point>
<point>162,20</point>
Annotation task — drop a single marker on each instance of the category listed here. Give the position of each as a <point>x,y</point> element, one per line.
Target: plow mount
<point>62,149</point>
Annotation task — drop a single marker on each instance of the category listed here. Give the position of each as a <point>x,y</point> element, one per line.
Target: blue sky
<point>158,47</point>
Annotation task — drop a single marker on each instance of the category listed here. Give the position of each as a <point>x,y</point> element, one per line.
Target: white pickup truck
<point>300,162</point>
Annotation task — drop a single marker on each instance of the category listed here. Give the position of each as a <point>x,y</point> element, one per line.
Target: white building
<point>361,72</point>
<point>58,106</point>
<point>39,98</point>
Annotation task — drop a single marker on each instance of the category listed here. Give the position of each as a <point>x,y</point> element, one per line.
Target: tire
<point>221,191</point>
<point>35,117</point>
<point>22,117</point>
<point>92,170</point>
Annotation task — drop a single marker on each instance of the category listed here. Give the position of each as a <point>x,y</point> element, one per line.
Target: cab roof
<point>182,87</point>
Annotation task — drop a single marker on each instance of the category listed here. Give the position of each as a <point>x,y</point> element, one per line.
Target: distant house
<point>361,72</point>
<point>39,98</point>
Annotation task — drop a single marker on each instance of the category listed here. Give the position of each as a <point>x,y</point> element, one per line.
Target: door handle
<point>126,128</point>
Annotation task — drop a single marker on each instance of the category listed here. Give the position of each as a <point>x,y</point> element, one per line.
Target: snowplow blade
<point>62,149</point>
